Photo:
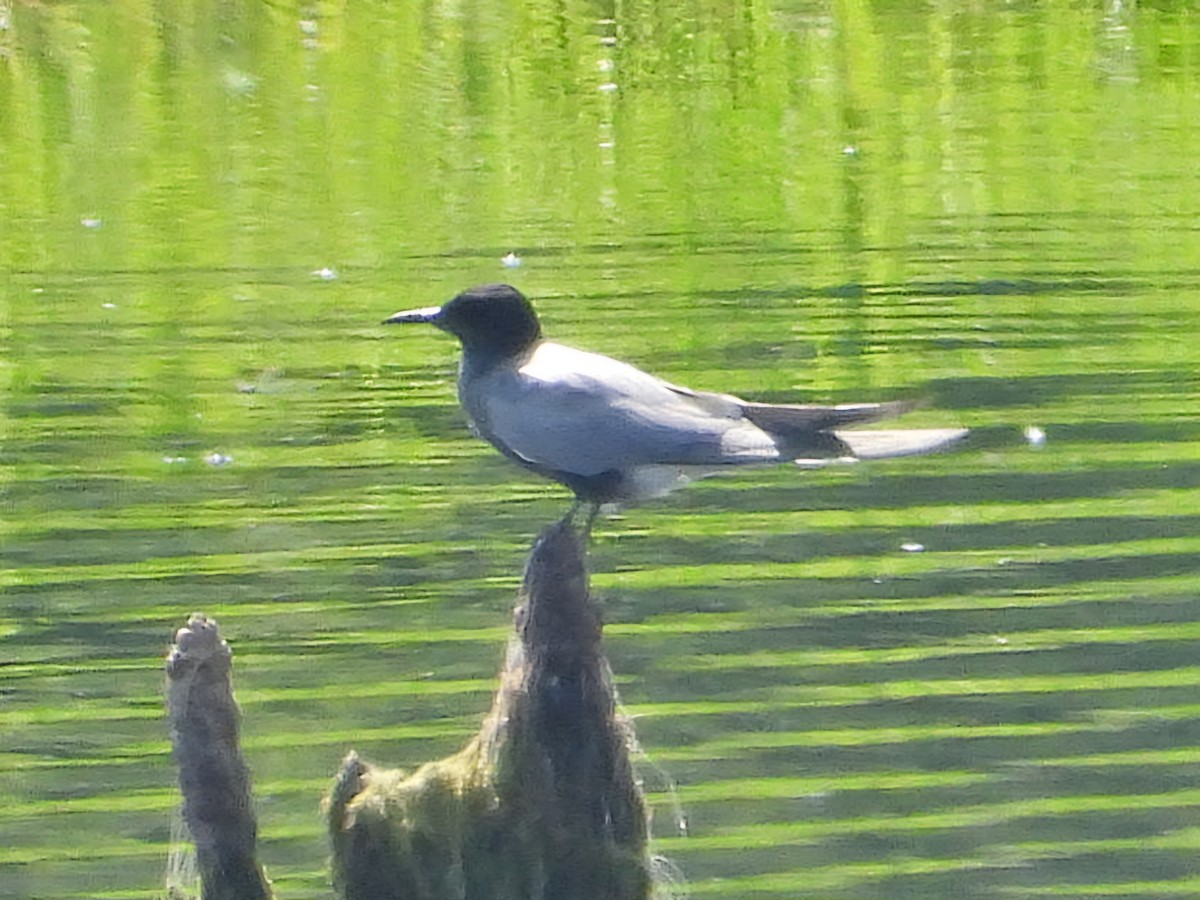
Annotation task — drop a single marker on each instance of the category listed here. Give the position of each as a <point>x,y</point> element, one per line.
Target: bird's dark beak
<point>430,314</point>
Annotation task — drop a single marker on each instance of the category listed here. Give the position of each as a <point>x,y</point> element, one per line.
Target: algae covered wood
<point>542,804</point>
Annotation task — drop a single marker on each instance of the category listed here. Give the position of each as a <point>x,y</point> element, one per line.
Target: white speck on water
<point>1035,436</point>
<point>912,547</point>
<point>91,221</point>
<point>326,274</point>
<point>511,261</point>
<point>238,83</point>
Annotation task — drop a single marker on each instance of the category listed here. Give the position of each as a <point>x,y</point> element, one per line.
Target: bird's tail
<point>899,442</point>
<point>817,434</point>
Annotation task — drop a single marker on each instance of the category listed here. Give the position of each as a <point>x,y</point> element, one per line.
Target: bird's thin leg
<point>570,516</point>
<point>591,518</point>
<point>573,516</point>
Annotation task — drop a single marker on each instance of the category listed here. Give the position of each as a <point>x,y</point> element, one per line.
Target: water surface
<point>965,675</point>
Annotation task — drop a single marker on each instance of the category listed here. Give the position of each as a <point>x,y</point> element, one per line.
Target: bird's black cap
<point>491,320</point>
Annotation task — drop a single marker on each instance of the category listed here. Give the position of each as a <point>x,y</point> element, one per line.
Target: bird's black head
<point>491,320</point>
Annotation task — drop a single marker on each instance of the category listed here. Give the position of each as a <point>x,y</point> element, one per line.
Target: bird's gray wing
<point>583,413</point>
<point>784,418</point>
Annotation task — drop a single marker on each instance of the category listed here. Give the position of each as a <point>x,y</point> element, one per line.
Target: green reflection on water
<point>205,213</point>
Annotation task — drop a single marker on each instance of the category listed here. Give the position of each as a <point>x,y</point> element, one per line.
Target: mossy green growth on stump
<point>542,804</point>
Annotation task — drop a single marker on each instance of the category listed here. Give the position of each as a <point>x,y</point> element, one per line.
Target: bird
<point>615,434</point>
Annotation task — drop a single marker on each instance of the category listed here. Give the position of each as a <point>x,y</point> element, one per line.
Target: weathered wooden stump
<point>217,802</point>
<point>541,804</point>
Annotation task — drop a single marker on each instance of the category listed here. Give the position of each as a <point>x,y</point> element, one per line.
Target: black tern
<point>613,433</point>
